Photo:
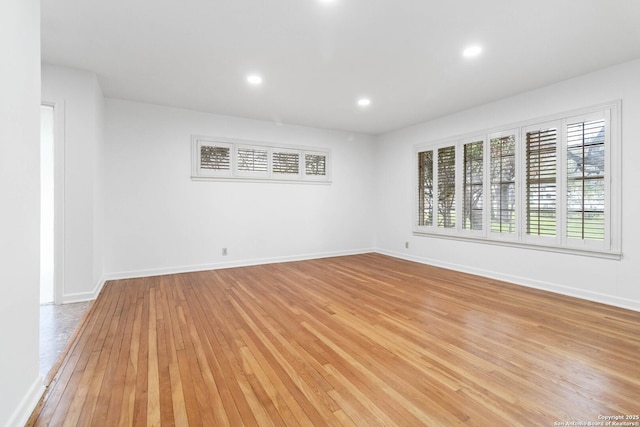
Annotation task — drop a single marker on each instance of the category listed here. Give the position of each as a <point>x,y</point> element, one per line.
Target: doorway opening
<point>47,270</point>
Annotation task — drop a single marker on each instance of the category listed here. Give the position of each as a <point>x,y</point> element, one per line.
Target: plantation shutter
<point>541,185</point>
<point>425,188</point>
<point>215,157</point>
<point>586,180</point>
<point>250,159</point>
<point>503,183</point>
<point>473,185</point>
<point>447,187</point>
<point>286,163</point>
<point>315,164</point>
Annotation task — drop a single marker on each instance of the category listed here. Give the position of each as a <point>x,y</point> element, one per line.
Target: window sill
<point>538,247</point>
<point>264,180</point>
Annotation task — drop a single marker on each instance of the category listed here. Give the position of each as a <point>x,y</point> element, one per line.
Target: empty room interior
<point>321,212</point>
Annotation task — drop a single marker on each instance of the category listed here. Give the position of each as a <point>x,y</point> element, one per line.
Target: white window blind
<point>286,163</point>
<point>503,184</point>
<point>315,164</point>
<point>425,188</point>
<point>473,185</point>
<point>215,158</point>
<point>541,176</point>
<point>447,187</point>
<point>586,180</point>
<point>251,159</point>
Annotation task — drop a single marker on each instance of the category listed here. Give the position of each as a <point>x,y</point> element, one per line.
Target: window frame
<point>236,174</point>
<point>312,176</point>
<point>286,175</point>
<point>461,183</point>
<point>609,248</point>
<point>213,173</point>
<point>560,136</point>
<point>436,179</point>
<point>584,244</point>
<point>251,173</point>
<point>503,236</point>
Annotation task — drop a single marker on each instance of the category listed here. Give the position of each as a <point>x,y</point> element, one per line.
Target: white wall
<point>610,281</point>
<point>78,92</point>
<point>158,220</point>
<point>20,384</point>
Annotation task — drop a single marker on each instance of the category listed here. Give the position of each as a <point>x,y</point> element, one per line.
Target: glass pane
<point>425,188</point>
<point>215,158</point>
<point>286,163</point>
<point>315,164</point>
<point>473,186</point>
<point>541,182</point>
<point>586,180</point>
<point>252,160</point>
<point>447,187</point>
<point>503,177</point>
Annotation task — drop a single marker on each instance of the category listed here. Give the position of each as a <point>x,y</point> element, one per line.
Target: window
<point>222,158</point>
<point>214,158</point>
<point>541,181</point>
<point>287,163</point>
<point>586,180</point>
<point>503,183</point>
<point>315,164</point>
<point>252,160</point>
<point>473,190</point>
<point>425,188</point>
<point>549,183</point>
<point>447,187</point>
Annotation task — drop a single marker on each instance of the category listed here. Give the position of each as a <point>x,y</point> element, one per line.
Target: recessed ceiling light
<point>364,102</point>
<point>254,79</point>
<point>472,51</point>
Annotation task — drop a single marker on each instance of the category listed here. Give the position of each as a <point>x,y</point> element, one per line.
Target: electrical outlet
<point>406,245</point>
<point>224,251</point>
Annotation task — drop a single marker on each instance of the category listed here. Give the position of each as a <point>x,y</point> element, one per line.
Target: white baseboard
<point>84,296</point>
<point>228,264</point>
<point>26,406</point>
<point>523,281</point>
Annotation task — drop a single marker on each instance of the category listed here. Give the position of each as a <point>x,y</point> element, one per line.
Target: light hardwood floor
<point>358,340</point>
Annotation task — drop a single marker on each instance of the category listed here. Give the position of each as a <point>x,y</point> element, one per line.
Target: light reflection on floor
<point>57,324</point>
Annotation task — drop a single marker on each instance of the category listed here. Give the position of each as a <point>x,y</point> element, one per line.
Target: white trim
<point>611,300</point>
<point>59,201</point>
<point>540,246</point>
<point>27,404</point>
<point>255,179</point>
<point>84,296</point>
<point>229,264</point>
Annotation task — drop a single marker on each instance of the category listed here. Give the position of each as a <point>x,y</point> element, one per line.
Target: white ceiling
<point>317,59</point>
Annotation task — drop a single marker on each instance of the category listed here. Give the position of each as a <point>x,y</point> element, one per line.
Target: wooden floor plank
<point>357,340</point>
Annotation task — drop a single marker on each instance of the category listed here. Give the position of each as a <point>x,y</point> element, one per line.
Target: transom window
<point>223,159</point>
<point>552,183</point>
